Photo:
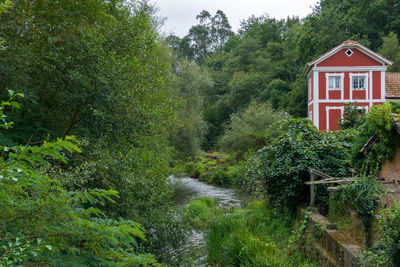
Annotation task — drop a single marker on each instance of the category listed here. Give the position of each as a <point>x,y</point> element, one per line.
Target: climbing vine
<point>378,122</point>
<point>364,197</point>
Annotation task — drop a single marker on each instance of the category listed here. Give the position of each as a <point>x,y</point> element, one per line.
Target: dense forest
<point>98,109</point>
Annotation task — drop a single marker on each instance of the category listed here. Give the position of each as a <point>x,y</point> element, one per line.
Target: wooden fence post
<point>312,197</point>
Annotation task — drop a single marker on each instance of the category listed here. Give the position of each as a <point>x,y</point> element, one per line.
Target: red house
<point>349,73</point>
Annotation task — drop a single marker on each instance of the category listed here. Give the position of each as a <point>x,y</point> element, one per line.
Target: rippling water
<point>188,189</point>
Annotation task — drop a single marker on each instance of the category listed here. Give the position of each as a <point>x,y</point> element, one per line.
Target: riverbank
<point>226,234</point>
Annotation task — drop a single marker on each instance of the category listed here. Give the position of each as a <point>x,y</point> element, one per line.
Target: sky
<point>181,14</point>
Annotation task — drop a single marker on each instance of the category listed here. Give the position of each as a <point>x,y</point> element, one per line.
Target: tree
<point>391,50</point>
<point>191,82</point>
<point>43,223</point>
<point>246,129</point>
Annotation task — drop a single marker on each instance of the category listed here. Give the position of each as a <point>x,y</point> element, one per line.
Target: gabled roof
<point>392,85</point>
<point>348,44</point>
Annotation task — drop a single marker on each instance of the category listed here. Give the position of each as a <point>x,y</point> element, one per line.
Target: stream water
<point>188,189</point>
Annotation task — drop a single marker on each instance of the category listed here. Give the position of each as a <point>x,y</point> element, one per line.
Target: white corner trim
<point>316,99</point>
<point>370,91</point>
<point>383,85</point>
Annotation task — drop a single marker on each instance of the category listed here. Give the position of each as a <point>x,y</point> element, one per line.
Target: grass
<point>202,212</point>
<point>254,236</point>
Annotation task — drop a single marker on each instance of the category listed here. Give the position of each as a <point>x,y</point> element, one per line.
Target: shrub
<point>386,251</point>
<point>246,129</point>
<point>281,168</point>
<point>364,197</point>
<point>378,121</point>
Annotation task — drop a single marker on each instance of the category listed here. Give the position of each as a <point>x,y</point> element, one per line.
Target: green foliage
<point>43,223</point>
<point>253,236</point>
<point>364,196</point>
<point>96,69</point>
<point>203,212</point>
<point>280,169</point>
<point>391,50</point>
<point>379,122</point>
<point>353,117</point>
<point>246,130</point>
<point>192,83</point>
<point>386,250</point>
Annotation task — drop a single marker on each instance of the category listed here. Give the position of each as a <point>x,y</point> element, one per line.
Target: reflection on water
<point>188,189</point>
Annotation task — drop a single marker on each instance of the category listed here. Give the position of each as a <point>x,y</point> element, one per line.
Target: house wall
<point>358,58</point>
<point>328,106</point>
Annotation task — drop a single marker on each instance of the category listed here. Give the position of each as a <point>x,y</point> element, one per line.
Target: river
<point>190,188</point>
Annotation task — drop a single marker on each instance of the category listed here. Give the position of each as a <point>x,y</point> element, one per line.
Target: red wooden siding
<point>376,80</point>
<point>356,59</point>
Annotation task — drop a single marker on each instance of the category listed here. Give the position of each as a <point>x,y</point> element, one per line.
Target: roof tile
<point>392,84</point>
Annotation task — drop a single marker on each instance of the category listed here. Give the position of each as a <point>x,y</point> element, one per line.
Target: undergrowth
<point>254,236</point>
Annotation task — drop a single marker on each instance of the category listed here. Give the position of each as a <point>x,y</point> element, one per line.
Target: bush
<point>364,197</point>
<point>280,169</point>
<point>386,251</point>
<point>246,130</point>
<point>378,121</point>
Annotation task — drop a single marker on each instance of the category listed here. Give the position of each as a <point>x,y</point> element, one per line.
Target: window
<point>334,83</point>
<point>358,83</point>
<point>309,89</point>
<point>349,52</point>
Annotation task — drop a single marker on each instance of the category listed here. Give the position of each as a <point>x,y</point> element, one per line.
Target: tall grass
<point>254,236</point>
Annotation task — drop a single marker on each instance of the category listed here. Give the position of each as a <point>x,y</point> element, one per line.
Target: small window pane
<point>337,82</point>
<point>359,82</point>
<point>331,82</point>
<point>334,82</point>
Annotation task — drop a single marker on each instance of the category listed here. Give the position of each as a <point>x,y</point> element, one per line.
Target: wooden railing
<point>327,179</point>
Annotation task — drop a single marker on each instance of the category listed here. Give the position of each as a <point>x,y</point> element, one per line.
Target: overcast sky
<point>181,14</point>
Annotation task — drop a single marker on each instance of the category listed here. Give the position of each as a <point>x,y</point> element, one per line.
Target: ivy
<point>280,169</point>
<point>364,196</point>
<point>379,122</point>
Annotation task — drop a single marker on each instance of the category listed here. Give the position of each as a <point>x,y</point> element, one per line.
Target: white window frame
<point>366,82</point>
<point>310,115</point>
<point>309,89</point>
<point>327,76</point>
<point>327,114</point>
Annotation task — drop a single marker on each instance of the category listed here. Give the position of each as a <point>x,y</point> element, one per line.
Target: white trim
<point>360,47</point>
<point>310,115</point>
<point>353,69</point>
<point>365,83</point>
<point>383,85</point>
<point>370,89</point>
<point>351,52</point>
<point>328,108</point>
<point>309,89</point>
<point>361,101</point>
<point>341,75</point>
<point>316,99</point>
<point>310,103</point>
